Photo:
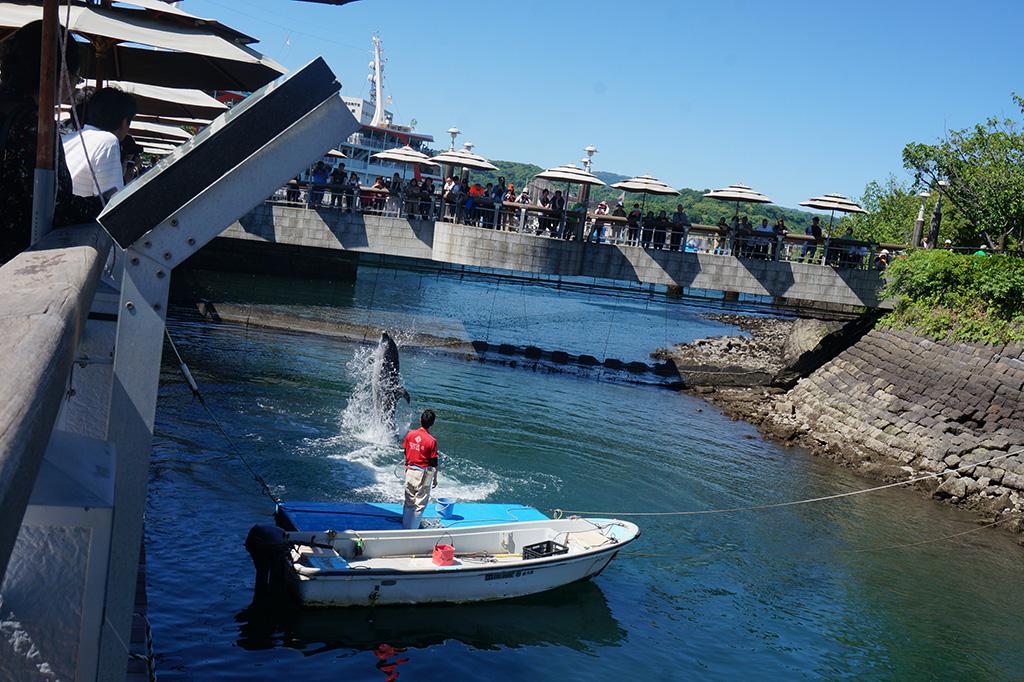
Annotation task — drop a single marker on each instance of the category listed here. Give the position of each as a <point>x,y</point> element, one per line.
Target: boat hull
<point>486,583</point>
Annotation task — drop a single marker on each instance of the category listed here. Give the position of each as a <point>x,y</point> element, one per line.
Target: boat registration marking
<point>502,575</point>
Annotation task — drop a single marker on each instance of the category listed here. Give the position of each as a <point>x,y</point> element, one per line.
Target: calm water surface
<point>782,594</point>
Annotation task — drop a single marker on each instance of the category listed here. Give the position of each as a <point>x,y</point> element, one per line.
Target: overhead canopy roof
<point>189,54</point>
<point>645,184</point>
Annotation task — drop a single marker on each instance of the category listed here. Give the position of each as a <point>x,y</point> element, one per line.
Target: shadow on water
<point>576,616</point>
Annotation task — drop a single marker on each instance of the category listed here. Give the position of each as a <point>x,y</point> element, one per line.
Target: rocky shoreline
<point>890,406</point>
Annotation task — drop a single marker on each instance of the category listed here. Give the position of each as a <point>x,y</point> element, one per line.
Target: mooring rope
<point>918,543</point>
<point>194,387</point>
<point>559,513</point>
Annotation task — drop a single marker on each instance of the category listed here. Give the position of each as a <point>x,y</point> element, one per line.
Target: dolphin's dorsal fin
<point>405,394</point>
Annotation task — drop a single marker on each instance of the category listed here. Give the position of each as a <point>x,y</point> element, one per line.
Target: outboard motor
<point>271,553</point>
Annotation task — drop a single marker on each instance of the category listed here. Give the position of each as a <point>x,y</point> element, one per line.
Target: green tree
<point>985,169</point>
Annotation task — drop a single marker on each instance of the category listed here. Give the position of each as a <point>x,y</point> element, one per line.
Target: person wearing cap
<point>882,259</point>
<point>597,228</point>
<point>982,251</point>
<point>948,244</point>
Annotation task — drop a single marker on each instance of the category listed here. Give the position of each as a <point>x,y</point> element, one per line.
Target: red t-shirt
<point>420,449</point>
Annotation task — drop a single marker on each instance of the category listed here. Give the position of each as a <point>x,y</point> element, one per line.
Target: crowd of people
<point>337,188</point>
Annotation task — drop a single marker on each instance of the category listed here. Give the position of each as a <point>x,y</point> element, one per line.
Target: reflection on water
<point>576,616</point>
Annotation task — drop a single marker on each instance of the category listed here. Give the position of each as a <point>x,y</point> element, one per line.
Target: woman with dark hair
<point>19,113</point>
<point>93,153</point>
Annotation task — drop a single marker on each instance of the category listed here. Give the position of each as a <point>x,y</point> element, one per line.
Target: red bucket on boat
<point>444,555</point>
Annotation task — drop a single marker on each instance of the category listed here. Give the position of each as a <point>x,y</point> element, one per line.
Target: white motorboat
<point>363,568</point>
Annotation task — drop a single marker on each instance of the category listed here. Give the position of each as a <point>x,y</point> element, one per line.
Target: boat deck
<point>318,516</point>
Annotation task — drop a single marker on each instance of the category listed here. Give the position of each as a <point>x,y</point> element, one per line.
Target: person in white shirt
<point>94,153</point>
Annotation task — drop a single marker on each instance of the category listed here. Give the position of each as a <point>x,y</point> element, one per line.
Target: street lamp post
<point>915,240</point>
<point>933,232</point>
<point>454,132</point>
<point>588,161</point>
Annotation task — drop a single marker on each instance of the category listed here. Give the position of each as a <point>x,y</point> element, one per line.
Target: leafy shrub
<point>951,296</point>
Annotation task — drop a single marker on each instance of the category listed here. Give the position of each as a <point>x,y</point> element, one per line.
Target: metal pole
<point>915,239</point>
<point>43,176</point>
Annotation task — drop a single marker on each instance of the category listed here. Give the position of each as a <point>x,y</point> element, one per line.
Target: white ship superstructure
<point>378,132</point>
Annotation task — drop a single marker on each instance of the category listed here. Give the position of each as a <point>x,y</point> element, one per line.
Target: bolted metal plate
<point>226,142</point>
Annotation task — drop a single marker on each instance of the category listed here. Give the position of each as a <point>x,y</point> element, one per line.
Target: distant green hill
<point>700,210</point>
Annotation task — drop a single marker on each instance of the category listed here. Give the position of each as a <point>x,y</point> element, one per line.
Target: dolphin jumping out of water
<point>386,382</point>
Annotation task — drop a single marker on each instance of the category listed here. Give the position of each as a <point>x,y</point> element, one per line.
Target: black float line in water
<point>202,401</point>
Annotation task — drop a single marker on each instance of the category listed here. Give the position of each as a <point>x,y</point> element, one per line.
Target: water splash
<point>360,417</point>
<point>375,467</point>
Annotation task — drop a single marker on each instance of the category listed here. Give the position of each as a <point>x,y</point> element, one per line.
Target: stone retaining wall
<point>903,405</point>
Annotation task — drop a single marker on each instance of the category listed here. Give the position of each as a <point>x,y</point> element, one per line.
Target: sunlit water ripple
<point>766,595</point>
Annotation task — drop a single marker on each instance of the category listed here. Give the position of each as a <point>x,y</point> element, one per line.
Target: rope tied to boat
<point>560,513</point>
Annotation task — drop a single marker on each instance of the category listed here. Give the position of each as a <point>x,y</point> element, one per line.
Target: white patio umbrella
<point>463,158</point>
<point>404,155</point>
<point>645,184</point>
<point>191,52</point>
<point>833,202</point>
<point>155,100</point>
<point>174,120</point>
<point>159,130</point>
<point>738,193</point>
<point>571,174</point>
<point>335,154</point>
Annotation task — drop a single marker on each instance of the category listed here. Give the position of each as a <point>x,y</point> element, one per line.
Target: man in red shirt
<point>420,470</point>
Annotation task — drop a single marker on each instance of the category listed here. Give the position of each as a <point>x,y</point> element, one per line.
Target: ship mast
<point>377,81</point>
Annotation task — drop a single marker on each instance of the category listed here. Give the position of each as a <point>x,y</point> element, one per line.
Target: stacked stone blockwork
<point>901,405</point>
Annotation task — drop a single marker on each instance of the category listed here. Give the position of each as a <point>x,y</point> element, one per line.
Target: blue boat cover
<point>318,516</point>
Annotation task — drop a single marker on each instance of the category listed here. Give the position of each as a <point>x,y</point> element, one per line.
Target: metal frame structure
<point>106,418</point>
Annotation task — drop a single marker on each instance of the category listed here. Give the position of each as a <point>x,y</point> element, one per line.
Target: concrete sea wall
<point>895,404</point>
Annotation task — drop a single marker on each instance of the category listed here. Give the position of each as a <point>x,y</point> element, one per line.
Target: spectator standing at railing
<point>338,178</point>
<point>647,229</point>
<point>633,221</point>
<point>763,240</point>
<point>426,198</point>
<point>352,190</point>
<point>544,222</point>
<point>882,259</point>
<point>292,193</point>
<point>780,233</point>
<point>378,194</point>
<point>618,229</point>
<point>558,206</point>
<point>524,197</point>
<point>319,182</point>
<point>661,226</point>
<point>680,228</point>
<point>597,228</point>
<point>808,251</point>
<point>722,240</point>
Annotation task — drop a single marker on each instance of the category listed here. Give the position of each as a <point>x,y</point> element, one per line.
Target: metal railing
<point>595,228</point>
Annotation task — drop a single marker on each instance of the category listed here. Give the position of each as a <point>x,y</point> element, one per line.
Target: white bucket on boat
<point>445,507</point>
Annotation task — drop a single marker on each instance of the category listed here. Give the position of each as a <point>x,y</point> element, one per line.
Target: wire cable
<point>202,401</point>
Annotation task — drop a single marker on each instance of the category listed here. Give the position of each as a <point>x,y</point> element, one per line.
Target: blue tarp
<point>318,516</point>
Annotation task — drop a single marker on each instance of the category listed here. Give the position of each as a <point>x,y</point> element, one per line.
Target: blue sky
<point>793,98</point>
